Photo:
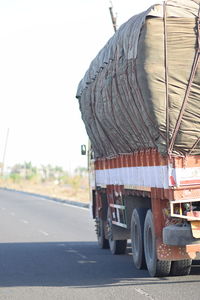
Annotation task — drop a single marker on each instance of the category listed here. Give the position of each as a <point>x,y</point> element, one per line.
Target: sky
<point>46,48</point>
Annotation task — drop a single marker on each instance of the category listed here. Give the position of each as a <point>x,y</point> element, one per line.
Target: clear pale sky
<point>46,47</point>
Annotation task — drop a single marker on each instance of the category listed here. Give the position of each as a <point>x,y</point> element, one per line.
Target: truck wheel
<point>137,237</point>
<point>156,268</point>
<point>181,267</point>
<point>100,229</point>
<point>116,246</point>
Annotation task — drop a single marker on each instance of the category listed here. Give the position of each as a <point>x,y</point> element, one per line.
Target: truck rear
<point>139,101</point>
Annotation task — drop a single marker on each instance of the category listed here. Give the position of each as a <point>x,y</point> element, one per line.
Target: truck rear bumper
<point>178,235</point>
<point>180,239</point>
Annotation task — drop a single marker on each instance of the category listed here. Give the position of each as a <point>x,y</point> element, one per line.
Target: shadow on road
<point>77,264</point>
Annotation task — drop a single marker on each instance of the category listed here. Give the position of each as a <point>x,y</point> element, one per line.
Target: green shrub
<point>15,177</point>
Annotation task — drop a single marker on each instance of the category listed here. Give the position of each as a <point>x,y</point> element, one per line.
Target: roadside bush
<point>15,177</point>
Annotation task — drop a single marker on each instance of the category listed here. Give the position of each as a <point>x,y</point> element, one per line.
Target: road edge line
<point>60,200</point>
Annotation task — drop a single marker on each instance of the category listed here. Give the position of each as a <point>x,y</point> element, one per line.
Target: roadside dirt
<point>51,189</point>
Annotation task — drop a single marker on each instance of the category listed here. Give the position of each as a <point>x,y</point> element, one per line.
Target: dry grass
<point>74,191</point>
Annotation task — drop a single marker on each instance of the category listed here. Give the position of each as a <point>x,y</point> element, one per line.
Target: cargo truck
<point>140,103</point>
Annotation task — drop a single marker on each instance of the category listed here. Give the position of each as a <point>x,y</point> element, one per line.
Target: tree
<point>81,171</point>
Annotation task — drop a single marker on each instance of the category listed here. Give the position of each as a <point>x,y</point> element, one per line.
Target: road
<point>48,251</point>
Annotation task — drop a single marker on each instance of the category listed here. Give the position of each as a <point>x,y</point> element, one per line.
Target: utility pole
<point>113,18</point>
<point>4,153</point>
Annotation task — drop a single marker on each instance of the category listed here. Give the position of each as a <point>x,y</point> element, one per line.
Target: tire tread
<point>102,241</point>
<point>120,246</point>
<point>181,267</point>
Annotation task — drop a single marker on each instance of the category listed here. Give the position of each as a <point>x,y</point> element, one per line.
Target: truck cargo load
<point>142,90</point>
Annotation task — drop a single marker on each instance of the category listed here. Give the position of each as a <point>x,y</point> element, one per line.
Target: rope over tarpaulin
<point>166,71</point>
<point>139,92</point>
<point>188,90</point>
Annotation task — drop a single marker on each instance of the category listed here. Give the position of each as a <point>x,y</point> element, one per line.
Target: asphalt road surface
<point>48,251</point>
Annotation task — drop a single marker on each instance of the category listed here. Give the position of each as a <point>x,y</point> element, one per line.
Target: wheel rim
<point>136,240</point>
<point>99,232</point>
<point>112,243</point>
<point>110,236</point>
<point>150,243</point>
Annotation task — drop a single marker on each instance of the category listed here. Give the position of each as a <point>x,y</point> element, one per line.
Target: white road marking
<point>44,232</point>
<point>74,206</point>
<point>77,253</point>
<point>58,202</point>
<point>61,245</point>
<point>87,262</point>
<point>141,292</point>
<point>41,198</point>
<point>24,221</point>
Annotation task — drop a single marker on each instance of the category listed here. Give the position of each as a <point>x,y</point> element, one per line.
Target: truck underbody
<point>160,217</point>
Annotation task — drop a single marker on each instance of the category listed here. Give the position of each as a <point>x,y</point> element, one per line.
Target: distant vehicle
<point>140,102</point>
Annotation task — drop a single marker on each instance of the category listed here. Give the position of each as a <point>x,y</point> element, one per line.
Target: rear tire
<point>116,246</point>
<point>137,237</point>
<point>156,268</point>
<point>102,241</point>
<point>181,267</point>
